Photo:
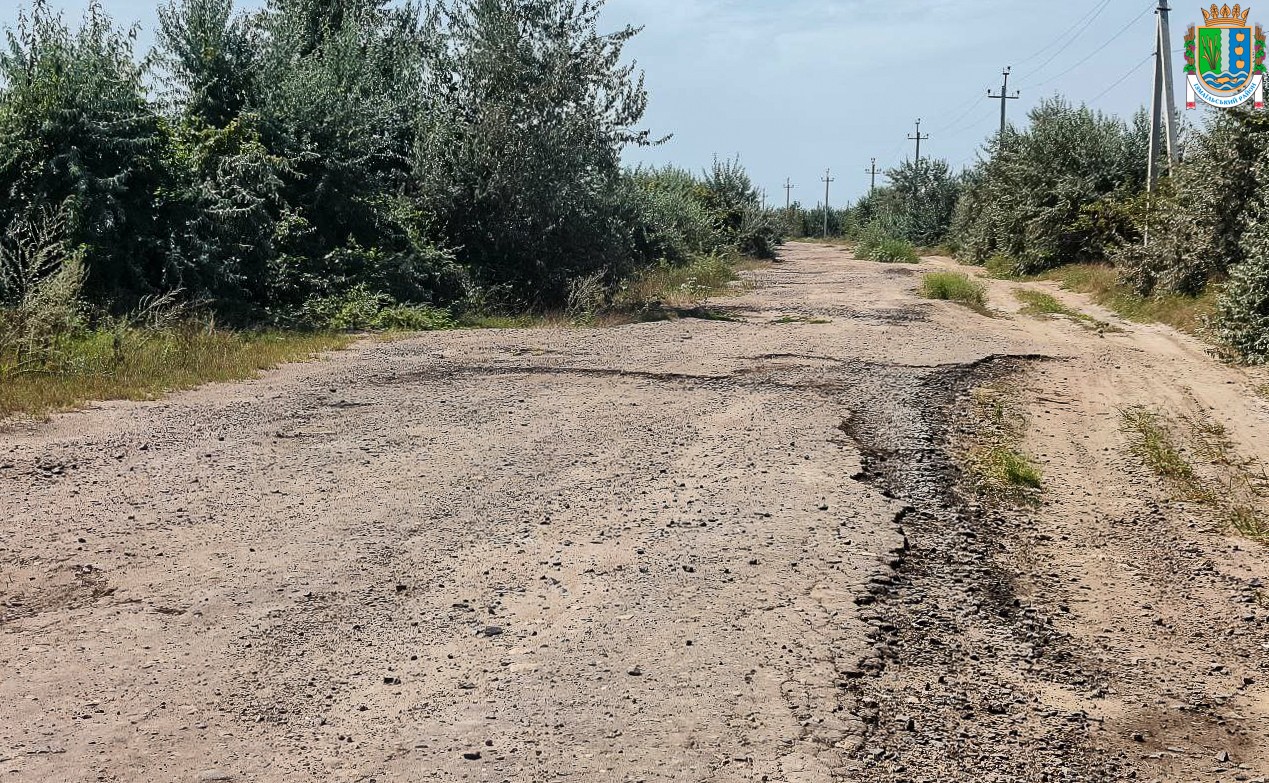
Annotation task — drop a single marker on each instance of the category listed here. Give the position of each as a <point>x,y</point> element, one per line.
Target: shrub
<point>78,135</point>
<point>894,251</point>
<point>360,308</point>
<point>1242,316</point>
<point>1045,196</point>
<point>1002,267</point>
<point>40,288</point>
<point>955,287</point>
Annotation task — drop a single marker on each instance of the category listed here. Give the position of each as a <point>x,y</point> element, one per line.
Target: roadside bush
<point>40,288</point>
<point>79,137</point>
<point>954,287</point>
<point>1046,196</point>
<point>359,308</point>
<point>894,251</point>
<point>1242,317</point>
<point>877,243</point>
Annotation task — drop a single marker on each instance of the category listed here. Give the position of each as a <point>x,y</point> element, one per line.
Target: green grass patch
<point>993,458</point>
<point>1152,440</point>
<point>891,251</point>
<point>1040,303</point>
<point>684,286</point>
<point>142,364</point>
<point>1002,466</point>
<point>954,287</point>
<point>1002,267</point>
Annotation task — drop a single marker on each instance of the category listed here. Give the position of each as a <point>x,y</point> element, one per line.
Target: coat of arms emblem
<point>1225,59</point>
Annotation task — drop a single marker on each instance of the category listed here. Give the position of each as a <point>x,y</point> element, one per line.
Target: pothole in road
<point>964,681</point>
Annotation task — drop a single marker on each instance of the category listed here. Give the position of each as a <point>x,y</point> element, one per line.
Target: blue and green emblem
<point>1225,59</point>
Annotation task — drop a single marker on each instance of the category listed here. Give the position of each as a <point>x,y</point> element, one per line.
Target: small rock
<point>209,775</point>
<point>472,755</point>
<point>635,672</point>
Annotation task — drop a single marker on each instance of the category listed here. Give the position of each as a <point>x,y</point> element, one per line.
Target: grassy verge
<point>995,461</point>
<point>1197,459</point>
<point>143,365</point>
<point>665,290</point>
<point>1101,283</point>
<point>1042,304</point>
<point>955,287</point>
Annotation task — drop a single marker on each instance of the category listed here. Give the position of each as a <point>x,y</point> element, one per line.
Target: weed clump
<point>954,287</point>
<point>995,460</point>
<point>1231,486</point>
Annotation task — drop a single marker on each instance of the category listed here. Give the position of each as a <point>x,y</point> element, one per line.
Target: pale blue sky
<point>793,86</point>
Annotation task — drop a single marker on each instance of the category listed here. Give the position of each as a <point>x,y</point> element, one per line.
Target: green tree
<point>1029,198</point>
<point>79,137</point>
<point>526,111</point>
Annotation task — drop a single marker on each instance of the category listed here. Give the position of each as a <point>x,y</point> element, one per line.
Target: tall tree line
<point>425,152</point>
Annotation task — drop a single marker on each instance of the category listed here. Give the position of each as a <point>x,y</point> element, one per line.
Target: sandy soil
<point>700,550</point>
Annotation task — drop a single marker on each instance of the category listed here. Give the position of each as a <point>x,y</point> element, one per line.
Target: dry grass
<point>147,365</point>
<point>1196,456</point>
<point>1153,441</point>
<point>1101,282</point>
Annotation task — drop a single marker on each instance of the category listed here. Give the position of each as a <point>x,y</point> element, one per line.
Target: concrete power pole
<point>827,181</point>
<point>1005,97</point>
<point>788,193</point>
<point>918,138</point>
<point>1162,105</point>
<point>872,187</point>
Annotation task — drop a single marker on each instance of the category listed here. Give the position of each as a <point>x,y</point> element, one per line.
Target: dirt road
<point>701,550</point>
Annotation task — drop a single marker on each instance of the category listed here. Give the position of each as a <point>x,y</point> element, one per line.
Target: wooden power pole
<point>872,186</point>
<point>788,193</point>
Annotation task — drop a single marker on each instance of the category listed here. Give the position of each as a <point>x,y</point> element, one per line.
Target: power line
<point>1121,79</point>
<point>1098,50</point>
<point>1040,52</point>
<point>1074,37</point>
<point>1080,25</point>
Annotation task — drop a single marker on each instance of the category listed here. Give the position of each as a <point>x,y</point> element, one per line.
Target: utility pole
<point>788,193</point>
<point>827,181</point>
<point>872,187</point>
<point>1005,97</point>
<point>1162,105</point>
<point>918,138</point>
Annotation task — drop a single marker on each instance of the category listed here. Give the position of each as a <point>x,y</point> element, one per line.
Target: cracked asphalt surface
<point>683,551</point>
